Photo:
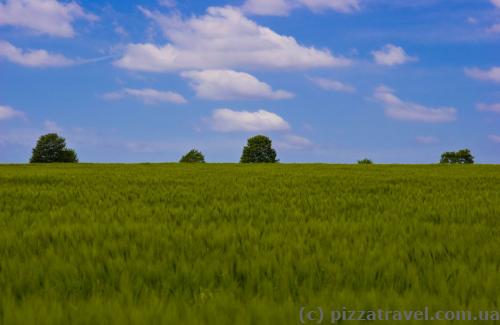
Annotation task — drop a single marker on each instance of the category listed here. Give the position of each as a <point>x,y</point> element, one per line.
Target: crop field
<point>244,244</point>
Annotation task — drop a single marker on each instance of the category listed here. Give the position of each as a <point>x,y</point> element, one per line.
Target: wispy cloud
<point>332,85</point>
<point>294,142</point>
<point>426,139</point>
<point>492,74</point>
<point>398,109</point>
<point>284,7</point>
<point>495,138</point>
<point>495,107</point>
<point>7,113</point>
<point>32,58</point>
<point>148,96</point>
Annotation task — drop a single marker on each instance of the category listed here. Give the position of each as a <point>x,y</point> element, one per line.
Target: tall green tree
<point>51,148</point>
<point>193,156</point>
<point>259,150</point>
<point>463,156</point>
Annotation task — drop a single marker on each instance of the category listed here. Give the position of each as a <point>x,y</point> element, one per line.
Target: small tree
<point>259,150</point>
<point>51,148</point>
<point>194,156</point>
<point>463,156</point>
<point>365,162</point>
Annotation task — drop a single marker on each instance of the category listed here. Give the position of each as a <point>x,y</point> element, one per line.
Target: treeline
<point>51,148</point>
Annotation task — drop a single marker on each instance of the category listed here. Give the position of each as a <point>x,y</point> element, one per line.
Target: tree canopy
<point>51,148</point>
<point>463,156</point>
<point>193,156</point>
<point>365,162</point>
<point>259,150</point>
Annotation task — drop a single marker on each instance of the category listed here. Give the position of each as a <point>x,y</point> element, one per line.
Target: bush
<point>51,148</point>
<point>194,156</point>
<point>365,162</point>
<point>463,156</point>
<point>259,150</point>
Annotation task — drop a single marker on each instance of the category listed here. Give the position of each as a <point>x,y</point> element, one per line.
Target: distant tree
<point>194,156</point>
<point>51,148</point>
<point>365,162</point>
<point>463,156</point>
<point>259,150</point>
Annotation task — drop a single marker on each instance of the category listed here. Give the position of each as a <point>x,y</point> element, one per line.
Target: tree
<point>365,162</point>
<point>51,148</point>
<point>463,156</point>
<point>194,156</point>
<point>259,150</point>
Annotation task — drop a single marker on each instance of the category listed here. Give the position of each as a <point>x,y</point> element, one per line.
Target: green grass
<point>234,244</point>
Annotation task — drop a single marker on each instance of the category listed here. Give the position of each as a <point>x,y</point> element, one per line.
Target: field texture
<point>233,244</point>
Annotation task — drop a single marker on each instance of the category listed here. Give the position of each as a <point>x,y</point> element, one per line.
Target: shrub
<point>365,162</point>
<point>193,156</point>
<point>463,156</point>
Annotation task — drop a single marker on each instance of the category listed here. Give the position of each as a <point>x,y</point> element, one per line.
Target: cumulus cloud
<point>223,38</point>
<point>495,108</point>
<point>426,140</point>
<point>495,138</point>
<point>49,17</point>
<point>496,3</point>
<point>284,7</point>
<point>7,113</point>
<point>332,85</point>
<point>392,55</point>
<point>228,84</point>
<point>148,96</point>
<point>32,58</point>
<point>492,74</point>
<point>227,120</point>
<point>407,111</point>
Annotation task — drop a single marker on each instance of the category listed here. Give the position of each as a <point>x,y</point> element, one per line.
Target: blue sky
<point>328,80</point>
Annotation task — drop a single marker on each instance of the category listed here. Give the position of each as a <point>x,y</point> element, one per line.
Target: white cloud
<point>492,74</point>
<point>496,3</point>
<point>494,138</point>
<point>222,39</point>
<point>227,120</point>
<point>7,112</point>
<point>284,7</point>
<point>294,142</point>
<point>148,96</point>
<point>392,55</point>
<point>426,140</point>
<point>49,17</point>
<point>228,84</point>
<point>495,108</point>
<point>407,111</point>
<point>32,58</point>
<point>332,85</point>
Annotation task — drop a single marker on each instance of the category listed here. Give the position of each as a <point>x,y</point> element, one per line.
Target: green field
<point>243,244</point>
